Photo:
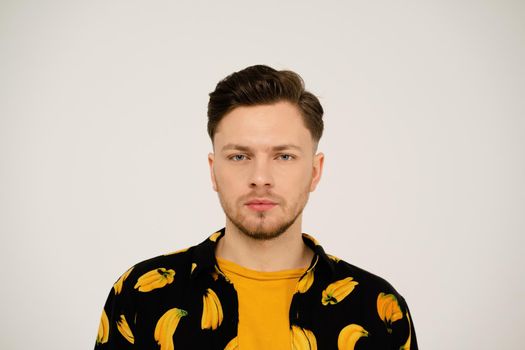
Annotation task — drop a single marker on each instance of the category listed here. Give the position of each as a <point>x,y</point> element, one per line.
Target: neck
<point>287,251</point>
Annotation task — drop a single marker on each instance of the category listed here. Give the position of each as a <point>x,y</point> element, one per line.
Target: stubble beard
<point>259,232</point>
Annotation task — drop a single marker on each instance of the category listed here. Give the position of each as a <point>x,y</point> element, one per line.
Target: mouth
<point>260,204</point>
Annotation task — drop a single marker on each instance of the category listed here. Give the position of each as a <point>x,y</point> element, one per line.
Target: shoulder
<point>173,260</point>
<point>141,276</point>
<point>161,272</point>
<point>368,282</point>
<point>339,270</point>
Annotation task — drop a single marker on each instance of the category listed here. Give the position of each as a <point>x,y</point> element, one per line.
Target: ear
<point>211,159</point>
<point>317,170</point>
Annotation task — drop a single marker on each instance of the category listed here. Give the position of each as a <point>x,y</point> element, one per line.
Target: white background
<point>103,150</point>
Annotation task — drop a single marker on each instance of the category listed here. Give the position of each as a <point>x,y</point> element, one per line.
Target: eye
<point>237,157</point>
<point>286,156</point>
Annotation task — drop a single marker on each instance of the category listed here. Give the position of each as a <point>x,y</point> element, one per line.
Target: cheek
<point>225,181</point>
<point>295,185</point>
<point>298,177</point>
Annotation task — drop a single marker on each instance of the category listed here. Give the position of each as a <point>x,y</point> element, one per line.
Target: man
<point>259,282</point>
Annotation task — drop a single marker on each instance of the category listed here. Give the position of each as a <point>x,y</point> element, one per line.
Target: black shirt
<point>183,300</point>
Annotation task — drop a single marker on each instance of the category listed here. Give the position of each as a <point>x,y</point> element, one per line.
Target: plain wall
<point>103,150</point>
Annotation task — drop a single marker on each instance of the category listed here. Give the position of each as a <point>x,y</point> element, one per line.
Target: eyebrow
<point>233,146</point>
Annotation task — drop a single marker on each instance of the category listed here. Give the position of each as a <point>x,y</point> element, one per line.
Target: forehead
<point>263,126</point>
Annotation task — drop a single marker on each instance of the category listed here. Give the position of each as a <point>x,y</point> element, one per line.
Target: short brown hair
<point>259,85</point>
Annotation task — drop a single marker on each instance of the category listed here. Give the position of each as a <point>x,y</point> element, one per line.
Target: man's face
<point>263,168</point>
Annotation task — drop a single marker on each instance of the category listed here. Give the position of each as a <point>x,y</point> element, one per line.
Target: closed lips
<point>260,201</point>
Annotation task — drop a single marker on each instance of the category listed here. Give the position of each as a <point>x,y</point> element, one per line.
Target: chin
<point>263,235</point>
<point>265,230</point>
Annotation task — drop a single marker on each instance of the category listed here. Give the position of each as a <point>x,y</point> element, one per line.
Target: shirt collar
<point>204,253</point>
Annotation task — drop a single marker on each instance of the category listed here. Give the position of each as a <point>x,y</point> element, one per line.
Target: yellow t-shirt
<point>264,304</point>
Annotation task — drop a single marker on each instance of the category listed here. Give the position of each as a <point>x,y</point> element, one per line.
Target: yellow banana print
<point>303,339</point>
<point>118,285</point>
<point>123,328</point>
<point>177,251</point>
<point>307,236</point>
<point>193,266</point>
<point>349,336</point>
<point>154,279</point>
<point>388,309</point>
<point>103,329</point>
<point>334,258</point>
<point>218,272</point>
<point>211,310</point>
<point>337,291</point>
<point>306,281</point>
<point>232,345</point>
<point>407,344</point>
<point>215,275</point>
<point>214,236</point>
<point>166,326</point>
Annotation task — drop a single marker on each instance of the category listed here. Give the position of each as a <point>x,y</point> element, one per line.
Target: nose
<point>261,174</point>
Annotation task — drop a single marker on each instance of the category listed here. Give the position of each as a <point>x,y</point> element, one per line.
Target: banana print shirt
<point>183,300</point>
